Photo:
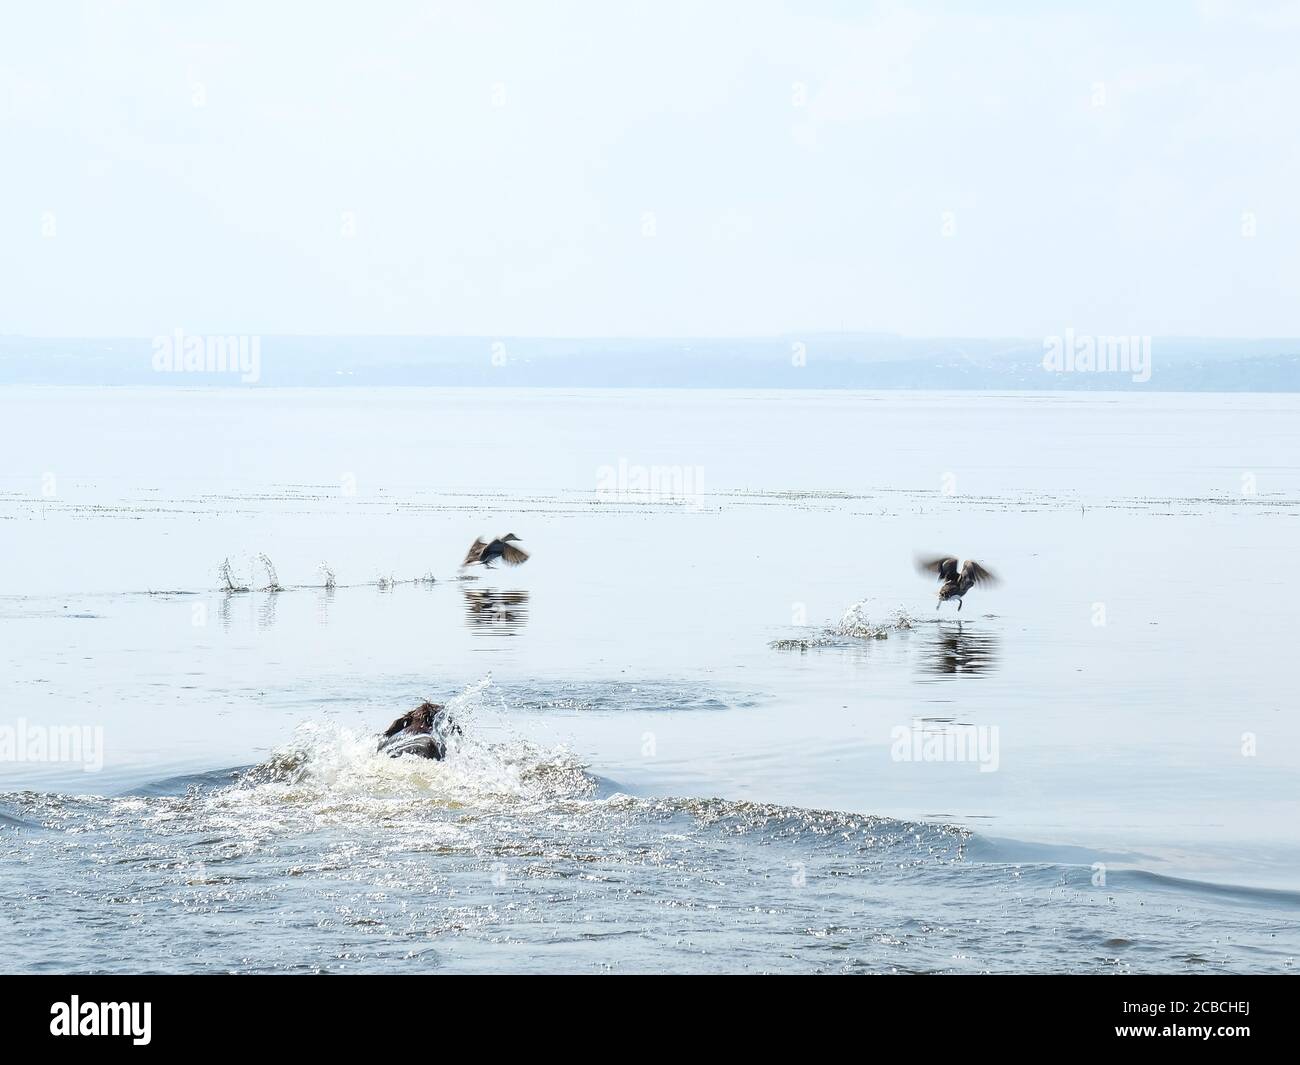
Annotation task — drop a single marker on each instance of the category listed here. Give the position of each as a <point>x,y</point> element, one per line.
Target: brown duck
<point>485,552</point>
<point>955,583</point>
<point>422,732</point>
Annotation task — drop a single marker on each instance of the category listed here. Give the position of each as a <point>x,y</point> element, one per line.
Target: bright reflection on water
<point>645,783</point>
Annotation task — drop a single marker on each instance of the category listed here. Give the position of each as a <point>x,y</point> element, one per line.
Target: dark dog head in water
<point>421,732</point>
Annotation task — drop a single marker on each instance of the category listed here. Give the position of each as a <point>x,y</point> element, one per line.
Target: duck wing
<point>945,566</point>
<point>398,725</point>
<point>513,556</point>
<point>974,573</point>
<point>475,552</point>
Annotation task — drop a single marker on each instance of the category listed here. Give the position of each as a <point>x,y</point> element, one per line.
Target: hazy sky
<point>624,168</point>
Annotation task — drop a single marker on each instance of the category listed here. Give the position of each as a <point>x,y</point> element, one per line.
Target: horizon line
<point>787,335</point>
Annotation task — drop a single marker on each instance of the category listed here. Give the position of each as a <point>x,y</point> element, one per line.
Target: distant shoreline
<point>834,362</point>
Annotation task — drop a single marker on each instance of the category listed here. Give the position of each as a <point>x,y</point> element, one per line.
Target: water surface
<point>645,782</point>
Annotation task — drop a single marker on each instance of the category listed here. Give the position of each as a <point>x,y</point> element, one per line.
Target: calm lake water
<point>1093,767</point>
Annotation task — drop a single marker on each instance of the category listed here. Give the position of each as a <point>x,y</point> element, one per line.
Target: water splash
<point>230,583</point>
<point>333,764</point>
<point>854,624</point>
<point>272,580</point>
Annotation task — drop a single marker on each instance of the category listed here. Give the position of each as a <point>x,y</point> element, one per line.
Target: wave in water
<point>507,856</point>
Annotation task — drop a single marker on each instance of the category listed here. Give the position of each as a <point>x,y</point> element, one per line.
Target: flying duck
<point>954,583</point>
<point>485,552</point>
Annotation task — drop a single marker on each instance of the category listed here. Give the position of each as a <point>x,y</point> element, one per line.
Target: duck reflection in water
<point>493,610</point>
<point>955,649</point>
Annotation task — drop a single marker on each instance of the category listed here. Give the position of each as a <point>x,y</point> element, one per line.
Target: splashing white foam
<point>335,764</point>
<point>857,623</point>
<point>854,624</point>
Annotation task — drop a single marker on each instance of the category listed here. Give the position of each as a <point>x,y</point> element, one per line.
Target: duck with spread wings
<point>953,582</point>
<point>485,552</point>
